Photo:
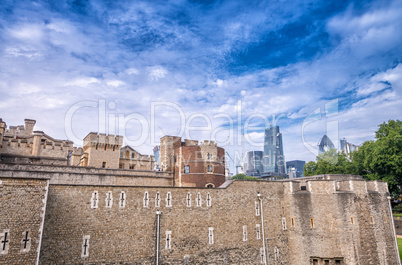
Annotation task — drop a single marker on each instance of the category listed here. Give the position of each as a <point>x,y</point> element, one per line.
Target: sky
<point>206,70</point>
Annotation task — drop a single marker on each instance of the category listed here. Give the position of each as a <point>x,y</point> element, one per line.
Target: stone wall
<point>299,225</point>
<point>22,207</point>
<point>88,175</point>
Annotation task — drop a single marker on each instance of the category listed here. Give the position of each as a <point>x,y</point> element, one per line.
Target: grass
<point>397,214</point>
<point>400,246</point>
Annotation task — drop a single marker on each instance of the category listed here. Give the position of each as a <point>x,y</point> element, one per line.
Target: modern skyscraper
<point>253,163</point>
<point>325,144</point>
<point>347,147</point>
<point>274,160</point>
<point>297,167</point>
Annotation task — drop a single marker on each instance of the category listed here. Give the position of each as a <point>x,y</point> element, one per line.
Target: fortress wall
<point>127,235</point>
<point>22,205</point>
<point>59,174</point>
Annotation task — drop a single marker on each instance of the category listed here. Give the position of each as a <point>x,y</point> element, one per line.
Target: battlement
<point>101,138</point>
<point>190,142</point>
<point>209,143</point>
<point>21,130</point>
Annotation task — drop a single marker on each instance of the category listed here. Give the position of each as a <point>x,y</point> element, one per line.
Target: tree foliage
<point>375,160</point>
<point>241,176</point>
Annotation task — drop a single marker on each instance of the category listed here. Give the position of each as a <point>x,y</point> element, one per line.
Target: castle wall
<point>103,150</point>
<point>87,176</point>
<point>127,234</point>
<point>168,145</point>
<point>22,207</point>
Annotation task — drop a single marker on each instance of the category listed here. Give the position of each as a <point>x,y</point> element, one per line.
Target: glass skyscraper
<point>274,160</point>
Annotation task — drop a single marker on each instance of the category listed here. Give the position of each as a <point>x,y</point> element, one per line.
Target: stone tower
<point>2,130</point>
<point>168,144</point>
<point>102,150</point>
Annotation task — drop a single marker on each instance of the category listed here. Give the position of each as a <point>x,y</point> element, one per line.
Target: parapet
<point>190,142</point>
<point>102,138</point>
<point>208,143</point>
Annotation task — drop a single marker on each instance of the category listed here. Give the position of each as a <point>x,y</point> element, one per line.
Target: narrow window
<point>4,241</point>
<point>209,200</point>
<point>187,169</point>
<point>85,247</point>
<point>315,262</point>
<point>312,224</point>
<point>284,224</point>
<point>326,262</point>
<point>168,240</point>
<point>283,208</point>
<point>209,169</point>
<point>371,219</point>
<point>186,260</point>
<point>276,253</point>
<point>94,200</point>
<point>168,200</point>
<point>292,222</point>
<point>96,147</point>
<point>132,155</point>
<point>188,200</point>
<point>109,199</point>
<point>131,166</point>
<point>244,232</point>
<point>198,199</point>
<point>257,208</point>
<point>103,164</point>
<point>211,235</point>
<point>120,166</point>
<point>122,200</point>
<point>105,147</point>
<point>258,230</point>
<point>25,242</point>
<point>262,255</point>
<point>146,199</point>
<point>157,200</point>
<point>352,220</point>
<point>337,262</point>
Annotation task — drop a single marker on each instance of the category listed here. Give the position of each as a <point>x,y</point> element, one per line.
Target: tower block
<point>103,150</point>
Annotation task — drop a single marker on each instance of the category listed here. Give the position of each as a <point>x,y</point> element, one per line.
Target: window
<point>352,220</point>
<point>122,200</point>
<point>198,199</point>
<point>371,219</point>
<point>4,241</point>
<point>209,200</point>
<point>292,222</point>
<point>209,156</point>
<point>186,260</point>
<point>168,200</point>
<point>121,166</point>
<point>209,168</point>
<point>25,242</point>
<point>244,232</point>
<point>109,199</point>
<point>315,261</point>
<point>157,200</point>
<point>257,208</point>
<point>312,224</point>
<point>168,240</point>
<point>284,224</point>
<point>186,169</point>
<point>103,164</point>
<point>188,200</point>
<point>131,166</point>
<point>276,253</point>
<point>209,185</point>
<point>337,262</point>
<point>303,187</point>
<point>211,235</point>
<point>146,199</point>
<point>94,200</point>
<point>258,230</point>
<point>132,155</point>
<point>85,247</point>
<point>326,262</point>
<point>262,255</point>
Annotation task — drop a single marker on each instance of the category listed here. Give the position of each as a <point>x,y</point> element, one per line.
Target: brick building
<point>194,164</point>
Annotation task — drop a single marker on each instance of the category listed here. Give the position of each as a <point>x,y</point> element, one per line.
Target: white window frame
<point>199,200</point>
<point>284,228</point>
<point>109,196</point>
<point>85,249</point>
<point>5,236</point>
<point>211,235</point>
<point>122,199</point>
<point>258,231</point>
<point>94,199</point>
<point>168,244</point>
<point>188,199</point>
<point>168,199</point>
<point>146,199</point>
<point>157,200</point>
<point>244,233</point>
<point>209,202</point>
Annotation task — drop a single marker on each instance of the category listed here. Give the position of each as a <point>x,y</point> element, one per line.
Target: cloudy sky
<point>203,69</point>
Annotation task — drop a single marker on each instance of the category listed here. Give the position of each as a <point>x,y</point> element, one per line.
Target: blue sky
<point>275,57</point>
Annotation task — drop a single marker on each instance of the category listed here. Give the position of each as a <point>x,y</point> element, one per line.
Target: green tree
<point>375,160</point>
<point>241,176</point>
